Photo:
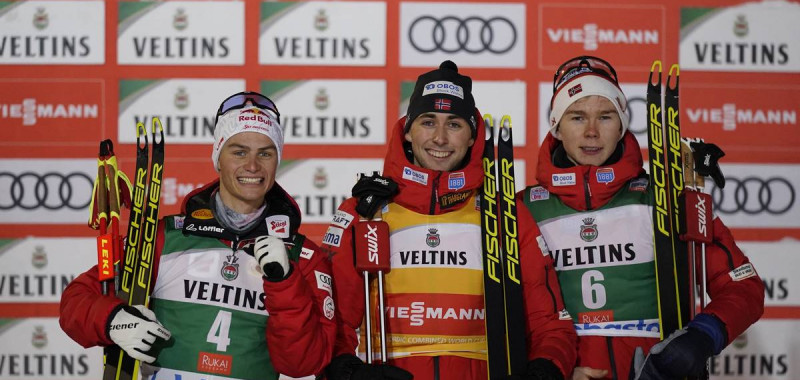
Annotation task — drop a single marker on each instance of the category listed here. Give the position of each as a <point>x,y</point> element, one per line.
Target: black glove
<point>350,367</point>
<point>539,369</point>
<point>706,161</point>
<point>685,352</point>
<point>373,192</point>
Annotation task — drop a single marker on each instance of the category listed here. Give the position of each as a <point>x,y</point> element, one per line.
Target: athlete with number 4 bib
<point>434,291</point>
<point>592,204</point>
<point>237,292</point>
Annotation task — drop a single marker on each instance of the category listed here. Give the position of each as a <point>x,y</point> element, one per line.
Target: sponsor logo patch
<point>333,236</point>
<point>645,327</point>
<point>456,181</point>
<point>230,268</point>
<point>639,184</point>
<point>178,222</point>
<point>329,308</point>
<point>565,179</point>
<point>203,213</point>
<point>214,363</point>
<point>539,193</point>
<point>324,281</point>
<point>543,245</point>
<point>443,87</point>
<point>278,225</point>
<point>416,176</point>
<point>432,239</point>
<point>564,315</point>
<point>743,272</point>
<point>599,316</point>
<point>452,199</point>
<point>605,175</point>
<point>342,219</point>
<point>589,230</point>
<point>575,90</point>
<point>306,253</point>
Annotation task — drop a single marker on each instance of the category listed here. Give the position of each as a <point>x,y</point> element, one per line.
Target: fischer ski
<point>676,226</point>
<point>680,249</point>
<point>135,279</point>
<point>662,171</point>
<point>505,322</point>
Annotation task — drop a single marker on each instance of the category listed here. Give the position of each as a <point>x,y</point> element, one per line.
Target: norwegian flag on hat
<point>442,104</point>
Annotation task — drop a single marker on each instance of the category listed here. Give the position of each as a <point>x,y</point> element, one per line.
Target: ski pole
<point>371,237</point>
<point>113,207</point>
<point>98,220</point>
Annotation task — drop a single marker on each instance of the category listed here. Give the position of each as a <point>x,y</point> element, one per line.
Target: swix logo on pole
<point>697,209</point>
<point>701,214</point>
<point>372,246</point>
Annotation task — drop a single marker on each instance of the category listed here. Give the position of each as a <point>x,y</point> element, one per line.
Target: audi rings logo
<point>753,195</point>
<point>51,190</point>
<point>473,35</point>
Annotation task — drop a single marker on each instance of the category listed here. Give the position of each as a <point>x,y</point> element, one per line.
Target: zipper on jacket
<point>433,193</point>
<point>587,191</point>
<point>611,358</point>
<point>435,368</point>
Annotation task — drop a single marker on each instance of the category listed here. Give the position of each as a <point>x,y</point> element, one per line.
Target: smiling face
<point>590,130</point>
<point>439,141</point>
<point>247,165</point>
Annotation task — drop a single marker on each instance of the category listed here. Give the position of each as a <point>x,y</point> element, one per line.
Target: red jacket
<point>298,333</point>
<point>738,304</point>
<point>548,336</point>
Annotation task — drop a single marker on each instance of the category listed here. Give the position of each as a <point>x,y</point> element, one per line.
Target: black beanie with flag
<point>443,90</point>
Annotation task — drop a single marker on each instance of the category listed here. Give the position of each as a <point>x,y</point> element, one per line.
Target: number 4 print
<point>220,329</point>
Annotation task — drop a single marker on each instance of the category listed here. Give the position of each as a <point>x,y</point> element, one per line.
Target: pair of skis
<point>682,212</point>
<point>667,178</point>
<point>502,277</point>
<point>131,272</point>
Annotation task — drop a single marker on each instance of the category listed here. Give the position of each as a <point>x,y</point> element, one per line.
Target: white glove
<point>273,260</point>
<point>134,329</point>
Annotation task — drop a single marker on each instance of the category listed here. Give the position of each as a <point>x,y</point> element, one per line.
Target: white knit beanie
<point>584,85</point>
<point>248,119</point>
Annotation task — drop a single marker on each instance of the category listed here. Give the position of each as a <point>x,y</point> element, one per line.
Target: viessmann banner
<point>54,112</point>
<point>630,36</point>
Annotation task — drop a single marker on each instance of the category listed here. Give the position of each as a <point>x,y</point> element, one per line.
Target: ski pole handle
<point>371,237</point>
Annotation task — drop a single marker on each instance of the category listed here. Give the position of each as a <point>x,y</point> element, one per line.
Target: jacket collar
<point>280,218</point>
<point>428,191</point>
<point>587,187</point>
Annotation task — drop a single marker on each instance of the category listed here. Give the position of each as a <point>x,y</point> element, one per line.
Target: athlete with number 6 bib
<point>237,292</point>
<point>592,204</point>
